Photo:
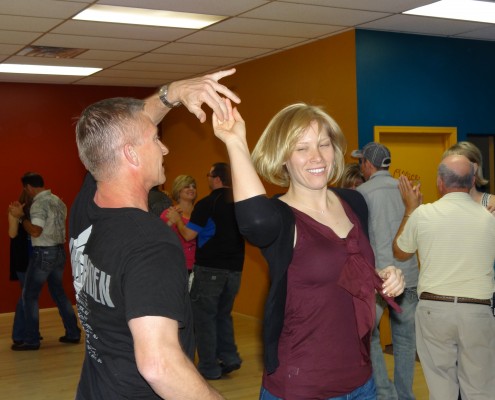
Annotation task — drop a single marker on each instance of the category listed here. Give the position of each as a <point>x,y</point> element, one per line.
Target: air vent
<point>50,52</point>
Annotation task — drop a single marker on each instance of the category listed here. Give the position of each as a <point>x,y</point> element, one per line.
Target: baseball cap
<point>376,153</point>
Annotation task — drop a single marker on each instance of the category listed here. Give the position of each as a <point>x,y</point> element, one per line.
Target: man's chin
<point>162,179</point>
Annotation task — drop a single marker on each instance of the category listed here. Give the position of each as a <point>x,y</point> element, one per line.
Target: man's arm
<point>33,230</point>
<point>398,253</point>
<point>15,209</point>
<point>193,93</point>
<point>186,233</point>
<point>163,364</point>
<point>412,198</point>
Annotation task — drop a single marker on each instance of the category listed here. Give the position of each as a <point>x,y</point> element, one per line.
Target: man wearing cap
<point>386,210</point>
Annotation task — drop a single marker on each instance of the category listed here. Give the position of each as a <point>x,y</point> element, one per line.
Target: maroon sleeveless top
<point>321,351</point>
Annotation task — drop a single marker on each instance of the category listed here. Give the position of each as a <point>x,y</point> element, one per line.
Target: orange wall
<point>321,73</point>
<point>37,134</point>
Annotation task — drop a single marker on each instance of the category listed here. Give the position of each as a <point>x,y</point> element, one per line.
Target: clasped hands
<point>174,214</point>
<point>393,281</point>
<point>16,209</point>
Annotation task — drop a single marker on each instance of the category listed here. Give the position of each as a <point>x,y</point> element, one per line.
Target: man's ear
<point>131,154</point>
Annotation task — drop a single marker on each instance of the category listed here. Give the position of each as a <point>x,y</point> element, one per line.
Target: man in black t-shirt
<point>217,273</point>
<point>128,267</point>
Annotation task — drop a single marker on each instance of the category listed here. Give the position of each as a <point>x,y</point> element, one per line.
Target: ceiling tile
<point>280,28</point>
<point>28,24</point>
<point>108,55</point>
<point>136,81</point>
<point>59,79</point>
<point>97,43</point>
<point>211,7</point>
<point>485,33</point>
<point>240,39</point>
<point>313,14</point>
<point>422,25</point>
<point>12,37</point>
<point>42,8</point>
<point>162,67</point>
<point>67,62</point>
<point>186,59</point>
<point>388,6</point>
<point>122,31</point>
<point>9,49</point>
<point>211,50</point>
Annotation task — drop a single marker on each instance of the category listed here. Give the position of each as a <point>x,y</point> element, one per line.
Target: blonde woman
<point>469,150</point>
<point>352,176</point>
<point>184,194</point>
<point>320,308</point>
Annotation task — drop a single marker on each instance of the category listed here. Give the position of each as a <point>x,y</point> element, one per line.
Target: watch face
<point>162,94</point>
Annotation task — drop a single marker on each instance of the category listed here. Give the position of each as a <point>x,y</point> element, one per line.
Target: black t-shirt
<point>126,264</point>
<point>219,242</point>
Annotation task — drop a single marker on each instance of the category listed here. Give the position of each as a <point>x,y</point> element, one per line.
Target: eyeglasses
<point>210,175</point>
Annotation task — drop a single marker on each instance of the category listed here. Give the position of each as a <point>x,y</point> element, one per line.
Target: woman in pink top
<point>184,194</point>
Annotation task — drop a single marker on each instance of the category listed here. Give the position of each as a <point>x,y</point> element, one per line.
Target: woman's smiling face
<point>311,160</point>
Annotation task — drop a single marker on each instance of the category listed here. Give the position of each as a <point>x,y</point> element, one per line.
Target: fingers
<point>394,283</point>
<point>223,89</point>
<point>216,103</point>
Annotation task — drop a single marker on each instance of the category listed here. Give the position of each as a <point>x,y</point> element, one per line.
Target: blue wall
<point>419,80</point>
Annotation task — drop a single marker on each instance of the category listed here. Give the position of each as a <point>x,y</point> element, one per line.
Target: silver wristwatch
<point>162,94</point>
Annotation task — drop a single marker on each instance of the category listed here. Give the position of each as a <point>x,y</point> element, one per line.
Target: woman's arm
<point>232,132</point>
<point>13,225</point>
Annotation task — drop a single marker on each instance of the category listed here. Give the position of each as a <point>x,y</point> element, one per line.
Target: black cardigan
<point>256,218</point>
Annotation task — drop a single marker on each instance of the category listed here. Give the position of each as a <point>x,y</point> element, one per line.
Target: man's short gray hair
<point>452,180</point>
<point>103,128</point>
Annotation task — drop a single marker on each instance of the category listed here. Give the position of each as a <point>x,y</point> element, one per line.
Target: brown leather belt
<point>452,299</point>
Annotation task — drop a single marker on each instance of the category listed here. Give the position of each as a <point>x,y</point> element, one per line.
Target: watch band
<point>162,94</point>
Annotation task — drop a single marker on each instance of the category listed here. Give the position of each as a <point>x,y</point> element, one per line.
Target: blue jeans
<point>404,345</point>
<point>365,392</point>
<point>212,294</point>
<point>46,265</point>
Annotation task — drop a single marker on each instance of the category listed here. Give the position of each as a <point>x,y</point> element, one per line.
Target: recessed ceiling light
<point>466,10</point>
<point>46,70</point>
<point>143,16</point>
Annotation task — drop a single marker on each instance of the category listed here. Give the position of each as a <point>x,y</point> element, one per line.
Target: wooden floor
<point>52,372</point>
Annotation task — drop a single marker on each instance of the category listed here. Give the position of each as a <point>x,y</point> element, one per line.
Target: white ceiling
<point>132,55</point>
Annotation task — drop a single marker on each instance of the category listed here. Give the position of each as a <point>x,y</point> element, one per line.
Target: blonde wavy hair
<point>180,183</point>
<point>473,154</point>
<point>280,137</point>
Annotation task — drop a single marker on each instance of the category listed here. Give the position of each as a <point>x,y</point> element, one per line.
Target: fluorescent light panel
<point>46,70</point>
<point>142,16</point>
<point>466,10</point>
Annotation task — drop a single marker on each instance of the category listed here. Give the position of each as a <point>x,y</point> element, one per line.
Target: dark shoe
<point>24,346</point>
<point>18,341</point>
<point>227,369</point>
<point>66,339</point>
<point>211,377</point>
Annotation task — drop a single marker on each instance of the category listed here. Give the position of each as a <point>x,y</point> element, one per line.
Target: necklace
<point>312,209</point>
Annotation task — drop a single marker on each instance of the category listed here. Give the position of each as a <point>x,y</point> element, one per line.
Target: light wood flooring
<point>53,371</point>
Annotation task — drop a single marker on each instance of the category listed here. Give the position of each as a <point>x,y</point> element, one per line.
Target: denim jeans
<point>212,294</point>
<point>404,346</point>
<point>365,392</point>
<point>47,265</point>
